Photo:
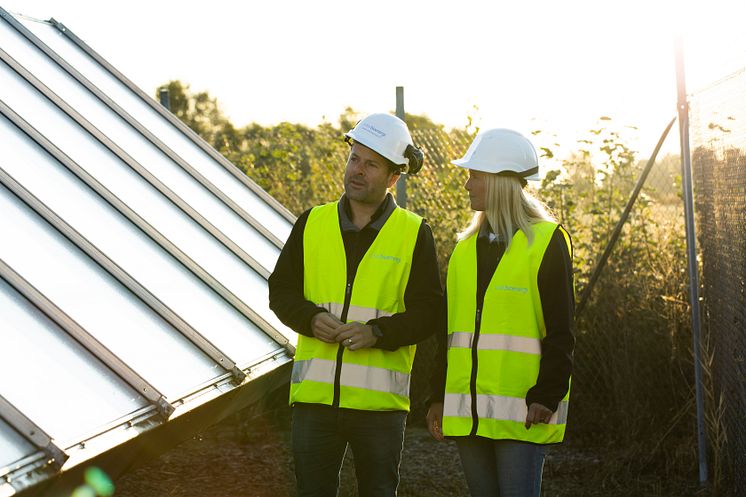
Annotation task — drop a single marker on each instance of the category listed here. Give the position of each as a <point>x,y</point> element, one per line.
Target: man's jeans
<point>501,468</point>
<point>320,437</point>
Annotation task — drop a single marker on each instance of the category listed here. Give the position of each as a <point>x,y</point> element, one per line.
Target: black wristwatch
<point>377,331</point>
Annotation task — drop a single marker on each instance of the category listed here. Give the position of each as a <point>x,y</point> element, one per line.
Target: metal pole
<point>401,184</point>
<point>620,224</point>
<point>165,100</point>
<point>691,245</point>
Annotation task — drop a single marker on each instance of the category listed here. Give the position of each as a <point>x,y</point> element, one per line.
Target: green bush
<point>632,391</point>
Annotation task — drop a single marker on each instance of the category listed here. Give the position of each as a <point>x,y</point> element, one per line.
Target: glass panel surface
<point>169,220</point>
<point>165,131</point>
<point>147,154</point>
<point>13,446</point>
<point>103,307</point>
<point>63,388</point>
<point>141,257</point>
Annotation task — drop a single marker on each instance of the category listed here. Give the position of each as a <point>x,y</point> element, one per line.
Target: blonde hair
<point>509,207</point>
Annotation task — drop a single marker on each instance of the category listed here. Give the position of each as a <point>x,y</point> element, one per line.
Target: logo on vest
<point>516,289</point>
<point>384,257</point>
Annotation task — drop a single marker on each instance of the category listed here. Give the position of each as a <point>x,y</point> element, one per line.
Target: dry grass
<point>249,455</point>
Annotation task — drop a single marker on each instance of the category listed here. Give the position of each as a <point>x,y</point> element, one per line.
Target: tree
<point>202,114</point>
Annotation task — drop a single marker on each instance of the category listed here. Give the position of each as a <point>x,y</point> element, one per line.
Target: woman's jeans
<point>501,468</point>
<point>320,438</point>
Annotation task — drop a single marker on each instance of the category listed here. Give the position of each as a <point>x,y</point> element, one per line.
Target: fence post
<point>401,184</point>
<point>691,245</point>
<point>165,100</point>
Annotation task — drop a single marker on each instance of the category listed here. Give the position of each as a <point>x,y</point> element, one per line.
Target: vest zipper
<point>474,367</point>
<point>340,347</point>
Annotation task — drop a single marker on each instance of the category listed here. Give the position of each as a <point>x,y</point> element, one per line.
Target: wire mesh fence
<point>587,193</point>
<point>633,379</point>
<point>718,138</point>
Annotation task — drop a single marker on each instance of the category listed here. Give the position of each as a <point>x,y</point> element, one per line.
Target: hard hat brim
<point>399,161</point>
<point>494,168</point>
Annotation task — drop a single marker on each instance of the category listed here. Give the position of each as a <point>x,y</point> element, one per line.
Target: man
<point>358,280</point>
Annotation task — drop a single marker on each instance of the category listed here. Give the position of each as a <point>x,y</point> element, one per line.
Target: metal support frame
<point>197,339</point>
<point>120,274</point>
<point>133,164</point>
<point>401,183</point>
<point>80,335</point>
<point>194,137</point>
<point>191,265</point>
<point>75,74</point>
<point>691,246</point>
<point>32,432</point>
<point>164,98</point>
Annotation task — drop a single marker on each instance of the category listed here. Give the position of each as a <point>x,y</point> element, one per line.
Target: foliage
<point>632,386</point>
<point>201,113</point>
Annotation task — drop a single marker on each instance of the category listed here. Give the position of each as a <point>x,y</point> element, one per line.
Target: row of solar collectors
<point>133,258</point>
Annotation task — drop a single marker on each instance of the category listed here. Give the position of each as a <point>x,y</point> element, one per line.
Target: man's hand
<point>537,413</point>
<point>435,421</point>
<point>325,326</point>
<point>356,336</point>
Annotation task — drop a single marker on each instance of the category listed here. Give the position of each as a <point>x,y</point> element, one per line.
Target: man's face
<point>476,185</point>
<point>367,176</point>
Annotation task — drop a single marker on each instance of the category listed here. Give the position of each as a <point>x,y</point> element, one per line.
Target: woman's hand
<point>435,421</point>
<point>537,413</point>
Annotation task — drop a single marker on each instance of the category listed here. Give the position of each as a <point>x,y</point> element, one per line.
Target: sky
<point>533,64</point>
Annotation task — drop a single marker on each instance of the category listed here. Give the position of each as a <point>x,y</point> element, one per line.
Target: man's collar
<point>378,219</point>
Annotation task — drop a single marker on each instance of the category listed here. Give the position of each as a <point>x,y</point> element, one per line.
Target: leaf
<point>546,153</point>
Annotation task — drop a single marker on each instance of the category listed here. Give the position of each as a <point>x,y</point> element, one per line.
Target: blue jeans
<point>501,468</point>
<point>321,435</point>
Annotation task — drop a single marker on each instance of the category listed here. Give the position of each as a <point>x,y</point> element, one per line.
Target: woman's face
<point>476,185</point>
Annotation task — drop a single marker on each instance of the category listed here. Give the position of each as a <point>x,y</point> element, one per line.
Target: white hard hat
<point>389,136</point>
<point>502,151</point>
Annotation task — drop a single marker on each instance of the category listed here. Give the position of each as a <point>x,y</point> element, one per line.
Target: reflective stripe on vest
<point>507,344</point>
<point>369,379</point>
<point>354,312</point>
<point>460,339</point>
<point>353,375</point>
<point>497,407</point>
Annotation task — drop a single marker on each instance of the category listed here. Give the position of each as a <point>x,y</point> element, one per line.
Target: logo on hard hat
<point>373,130</point>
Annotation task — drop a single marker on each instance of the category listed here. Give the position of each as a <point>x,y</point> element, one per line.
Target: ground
<point>249,456</point>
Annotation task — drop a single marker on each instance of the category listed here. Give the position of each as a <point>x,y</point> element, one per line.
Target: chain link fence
<point>311,177</point>
<point>633,386</point>
<point>718,142</point>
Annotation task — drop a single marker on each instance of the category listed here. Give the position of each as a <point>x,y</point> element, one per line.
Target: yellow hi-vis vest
<point>369,379</point>
<point>507,343</point>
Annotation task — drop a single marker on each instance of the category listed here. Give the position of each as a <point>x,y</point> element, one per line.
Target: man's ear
<point>393,179</point>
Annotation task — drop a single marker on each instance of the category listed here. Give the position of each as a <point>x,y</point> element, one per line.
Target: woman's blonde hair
<point>509,208</point>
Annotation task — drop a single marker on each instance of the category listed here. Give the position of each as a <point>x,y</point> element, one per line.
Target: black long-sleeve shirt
<point>558,303</point>
<point>422,294</point>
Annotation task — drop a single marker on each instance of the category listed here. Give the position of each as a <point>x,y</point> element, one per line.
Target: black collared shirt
<point>422,295</point>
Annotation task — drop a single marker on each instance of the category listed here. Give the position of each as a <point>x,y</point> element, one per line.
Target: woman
<point>503,395</point>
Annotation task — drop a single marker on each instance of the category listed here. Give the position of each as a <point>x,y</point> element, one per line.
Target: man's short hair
<point>393,168</point>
